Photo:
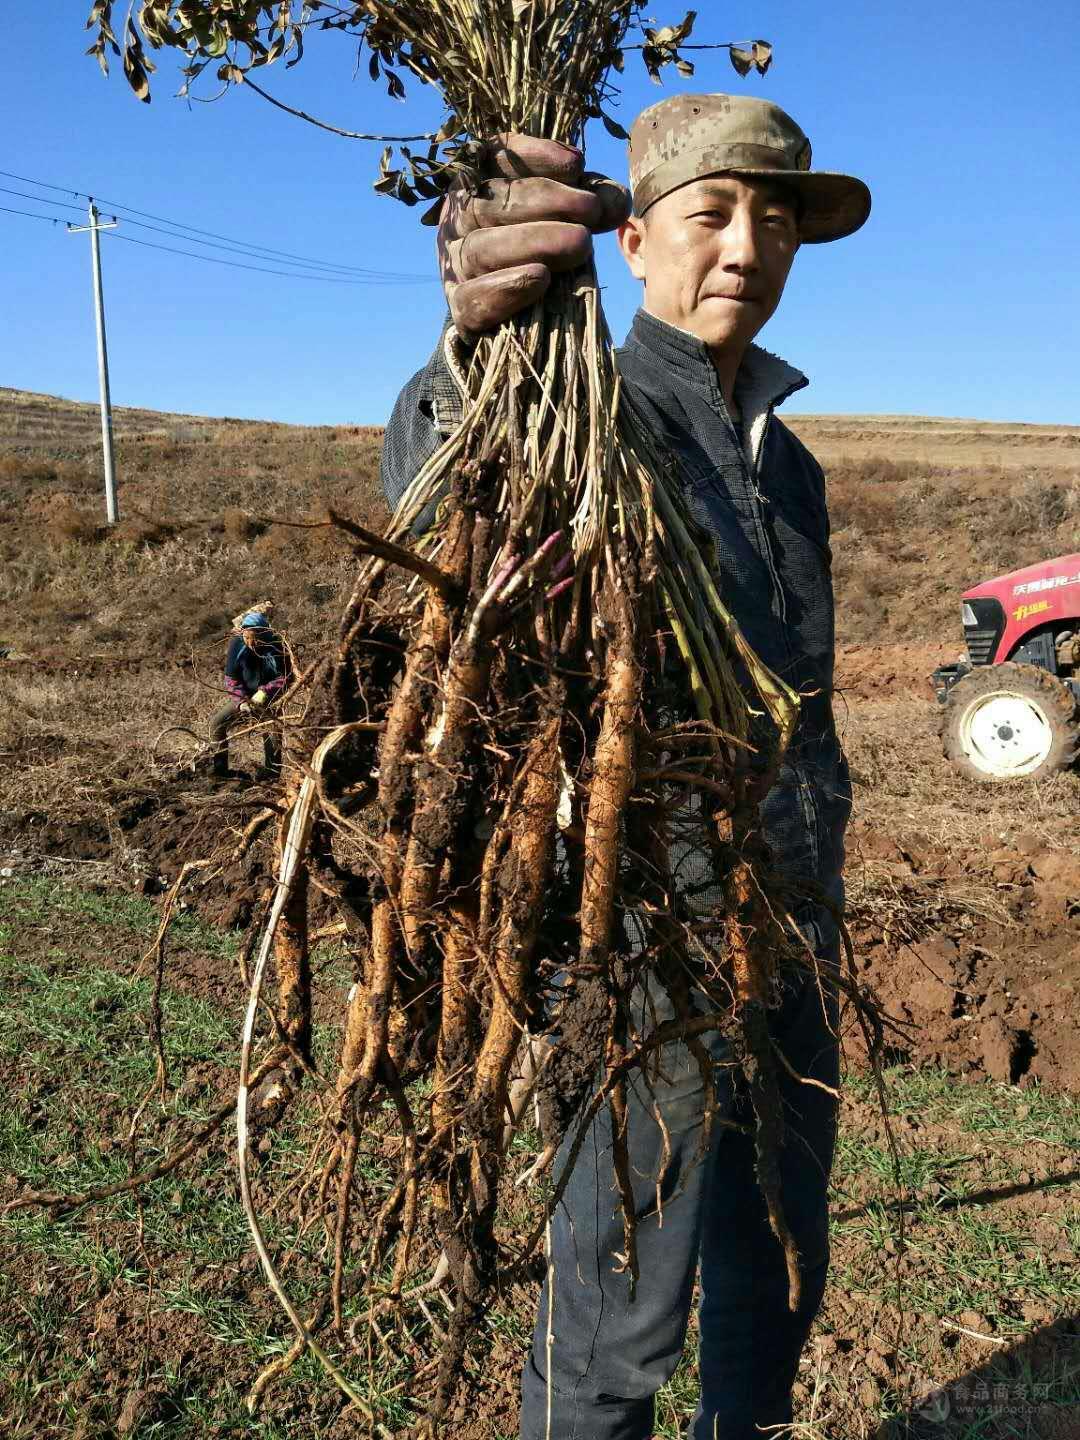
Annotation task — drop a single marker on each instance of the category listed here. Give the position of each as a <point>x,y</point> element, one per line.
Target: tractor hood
<point>1044,581</point>
<point>1002,614</point>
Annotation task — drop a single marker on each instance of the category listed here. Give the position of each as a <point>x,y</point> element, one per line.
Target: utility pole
<point>94,226</point>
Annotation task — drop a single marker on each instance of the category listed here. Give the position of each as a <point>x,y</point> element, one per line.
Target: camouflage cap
<point>689,137</point>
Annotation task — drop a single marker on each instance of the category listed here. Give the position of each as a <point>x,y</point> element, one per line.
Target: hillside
<point>978,444</point>
<point>921,509</point>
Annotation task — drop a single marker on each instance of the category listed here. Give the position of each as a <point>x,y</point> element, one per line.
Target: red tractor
<point>1012,707</point>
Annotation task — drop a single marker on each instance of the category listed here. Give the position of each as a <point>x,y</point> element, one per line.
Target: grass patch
<point>73,1036</point>
<point>39,901</point>
<point>1023,1118</point>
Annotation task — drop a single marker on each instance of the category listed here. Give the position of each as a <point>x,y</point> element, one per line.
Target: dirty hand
<point>533,216</point>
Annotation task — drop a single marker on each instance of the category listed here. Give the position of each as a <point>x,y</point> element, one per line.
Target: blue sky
<point>960,297</point>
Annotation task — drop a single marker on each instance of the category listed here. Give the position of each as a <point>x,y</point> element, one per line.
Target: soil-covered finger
<point>484,303</point>
<point>514,156</point>
<point>513,202</point>
<point>616,202</point>
<point>553,243</point>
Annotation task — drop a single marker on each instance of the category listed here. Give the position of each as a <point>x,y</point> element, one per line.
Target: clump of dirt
<point>979,955</point>
<point>878,672</point>
<point>150,830</point>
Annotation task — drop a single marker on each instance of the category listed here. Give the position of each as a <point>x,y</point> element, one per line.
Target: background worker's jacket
<point>248,671</point>
<point>761,494</point>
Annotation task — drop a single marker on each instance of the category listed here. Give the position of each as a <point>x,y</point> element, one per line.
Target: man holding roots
<point>723,198</point>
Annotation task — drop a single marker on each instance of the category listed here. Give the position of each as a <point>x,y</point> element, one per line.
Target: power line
<point>262,269</point>
<point>40,199</point>
<point>261,252</point>
<point>271,252</point>
<point>361,276</point>
<point>30,215</point>
<point>375,279</point>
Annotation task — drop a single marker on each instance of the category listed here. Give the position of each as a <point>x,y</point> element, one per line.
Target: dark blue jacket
<point>248,671</point>
<point>762,495</point>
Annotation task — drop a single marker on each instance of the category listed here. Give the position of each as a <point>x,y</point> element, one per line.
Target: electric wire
<point>270,251</point>
<point>30,215</point>
<point>262,269</point>
<point>360,277</point>
<point>216,260</point>
<point>41,200</point>
<point>249,248</point>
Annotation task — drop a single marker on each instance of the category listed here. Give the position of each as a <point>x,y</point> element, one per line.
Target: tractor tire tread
<point>1053,695</point>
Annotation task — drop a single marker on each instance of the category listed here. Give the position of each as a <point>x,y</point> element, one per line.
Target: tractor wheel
<point>1004,722</point>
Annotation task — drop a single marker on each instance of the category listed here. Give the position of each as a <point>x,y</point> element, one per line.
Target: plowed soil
<point>965,900</point>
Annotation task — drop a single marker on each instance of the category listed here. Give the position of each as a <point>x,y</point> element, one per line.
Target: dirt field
<point>965,906</point>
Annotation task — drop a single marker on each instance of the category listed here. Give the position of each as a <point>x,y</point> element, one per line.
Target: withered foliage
<point>469,52</point>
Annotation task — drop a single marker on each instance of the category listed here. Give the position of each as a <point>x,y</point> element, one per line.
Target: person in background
<point>256,672</point>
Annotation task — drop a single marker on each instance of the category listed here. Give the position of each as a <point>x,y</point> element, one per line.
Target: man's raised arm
<point>499,245</point>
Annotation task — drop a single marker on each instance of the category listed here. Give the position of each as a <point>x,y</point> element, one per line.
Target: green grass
<point>77,1031</point>
<point>990,1110</point>
<point>39,901</point>
<point>73,1030</point>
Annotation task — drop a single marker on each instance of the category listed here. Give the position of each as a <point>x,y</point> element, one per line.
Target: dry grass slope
<point>921,509</point>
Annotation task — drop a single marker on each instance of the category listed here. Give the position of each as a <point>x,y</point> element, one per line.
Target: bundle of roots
<point>521,710</point>
<point>526,710</point>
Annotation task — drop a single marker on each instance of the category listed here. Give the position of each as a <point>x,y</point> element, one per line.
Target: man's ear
<point>632,241</point>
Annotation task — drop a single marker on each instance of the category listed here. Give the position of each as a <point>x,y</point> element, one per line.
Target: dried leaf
<point>219,43</point>
<point>653,59</point>
<point>742,60</point>
<point>136,66</point>
<point>136,77</point>
<point>685,30</point>
<point>98,49</point>
<point>763,53</point>
<point>433,214</point>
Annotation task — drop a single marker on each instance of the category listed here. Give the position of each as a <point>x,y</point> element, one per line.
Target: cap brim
<point>833,205</point>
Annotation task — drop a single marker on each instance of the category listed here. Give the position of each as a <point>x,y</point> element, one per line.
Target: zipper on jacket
<point>758,502</point>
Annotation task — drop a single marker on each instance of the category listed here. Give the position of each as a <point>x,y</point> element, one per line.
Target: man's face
<point>715,256</point>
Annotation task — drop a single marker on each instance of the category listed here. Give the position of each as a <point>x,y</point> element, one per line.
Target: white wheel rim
<point>1006,734</point>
